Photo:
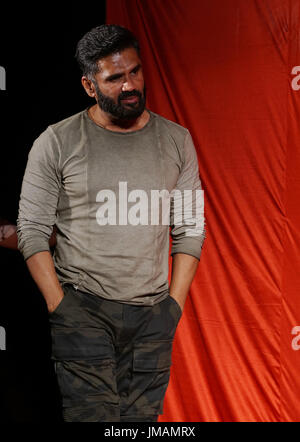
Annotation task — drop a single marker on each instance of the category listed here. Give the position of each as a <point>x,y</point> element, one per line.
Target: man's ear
<point>88,86</point>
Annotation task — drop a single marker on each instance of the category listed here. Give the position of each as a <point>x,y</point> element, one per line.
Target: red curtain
<point>227,70</point>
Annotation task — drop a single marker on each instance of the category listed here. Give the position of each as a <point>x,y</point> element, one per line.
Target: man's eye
<point>135,71</point>
<point>114,80</point>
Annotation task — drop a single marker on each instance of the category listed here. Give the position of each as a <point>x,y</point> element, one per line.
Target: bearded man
<point>112,313</point>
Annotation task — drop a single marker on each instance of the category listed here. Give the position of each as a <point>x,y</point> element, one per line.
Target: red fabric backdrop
<point>223,69</point>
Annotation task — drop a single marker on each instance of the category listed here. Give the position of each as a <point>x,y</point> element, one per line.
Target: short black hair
<point>100,42</point>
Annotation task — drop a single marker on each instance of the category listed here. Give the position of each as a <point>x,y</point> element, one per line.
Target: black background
<point>37,47</point>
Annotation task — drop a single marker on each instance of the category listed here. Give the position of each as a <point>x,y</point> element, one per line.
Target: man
<point>113,315</point>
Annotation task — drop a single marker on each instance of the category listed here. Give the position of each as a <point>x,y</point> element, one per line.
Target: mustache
<point>127,94</point>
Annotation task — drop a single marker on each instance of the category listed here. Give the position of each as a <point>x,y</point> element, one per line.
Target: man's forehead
<point>119,60</point>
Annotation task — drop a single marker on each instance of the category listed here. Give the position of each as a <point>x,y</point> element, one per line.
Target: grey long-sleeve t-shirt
<point>99,188</point>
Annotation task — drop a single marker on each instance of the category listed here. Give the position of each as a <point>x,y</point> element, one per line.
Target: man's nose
<point>128,85</point>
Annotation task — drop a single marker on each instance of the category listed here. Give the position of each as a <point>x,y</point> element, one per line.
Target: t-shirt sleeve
<point>187,206</point>
<point>39,196</point>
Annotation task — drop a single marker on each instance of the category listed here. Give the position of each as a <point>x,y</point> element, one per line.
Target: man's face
<point>119,85</point>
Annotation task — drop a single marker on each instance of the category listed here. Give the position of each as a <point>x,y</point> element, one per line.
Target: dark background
<point>37,47</point>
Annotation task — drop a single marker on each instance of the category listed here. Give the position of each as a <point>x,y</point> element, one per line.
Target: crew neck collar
<point>142,129</point>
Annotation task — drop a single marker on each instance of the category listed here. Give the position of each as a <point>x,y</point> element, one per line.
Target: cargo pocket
<point>88,390</point>
<point>80,343</point>
<point>150,377</point>
<point>153,356</point>
<point>86,374</point>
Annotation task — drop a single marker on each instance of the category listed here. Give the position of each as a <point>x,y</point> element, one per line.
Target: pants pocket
<point>86,374</point>
<point>59,307</point>
<point>88,390</point>
<point>80,343</point>
<point>152,356</point>
<point>150,377</point>
<point>177,307</point>
<point>59,310</point>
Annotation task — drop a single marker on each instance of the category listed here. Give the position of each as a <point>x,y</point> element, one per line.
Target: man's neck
<point>107,122</point>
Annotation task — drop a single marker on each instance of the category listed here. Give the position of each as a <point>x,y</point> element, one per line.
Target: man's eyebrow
<point>137,67</point>
<point>113,77</point>
<point>119,75</point>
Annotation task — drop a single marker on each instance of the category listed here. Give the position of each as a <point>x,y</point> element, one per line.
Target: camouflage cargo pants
<point>112,360</point>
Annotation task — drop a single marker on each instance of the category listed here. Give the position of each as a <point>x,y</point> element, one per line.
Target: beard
<point>119,111</point>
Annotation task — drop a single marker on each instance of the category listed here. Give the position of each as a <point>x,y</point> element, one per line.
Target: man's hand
<point>53,305</point>
<point>42,270</point>
<point>184,268</point>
